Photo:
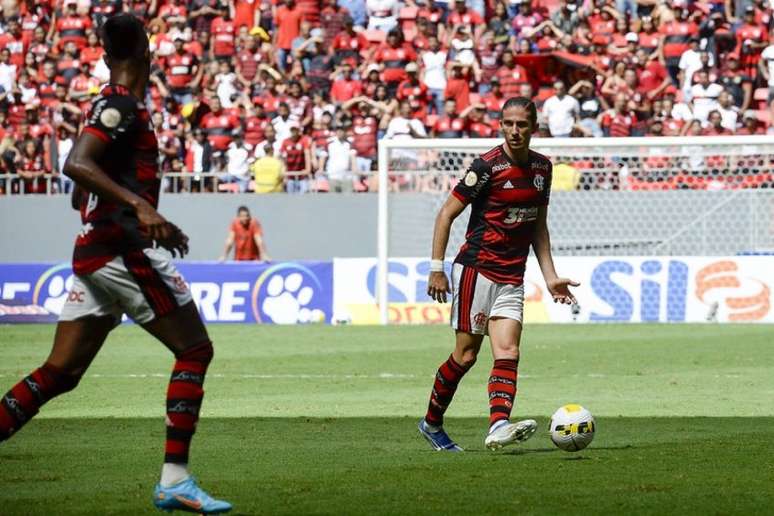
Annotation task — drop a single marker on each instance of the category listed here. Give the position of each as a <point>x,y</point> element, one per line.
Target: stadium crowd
<point>293,95</point>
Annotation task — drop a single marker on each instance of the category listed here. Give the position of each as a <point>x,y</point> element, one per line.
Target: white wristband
<point>436,265</point>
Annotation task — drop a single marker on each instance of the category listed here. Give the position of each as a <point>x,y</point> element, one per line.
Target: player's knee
<point>59,380</point>
<point>468,358</point>
<point>202,353</point>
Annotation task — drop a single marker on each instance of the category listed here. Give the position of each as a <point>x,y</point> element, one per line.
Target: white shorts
<point>142,284</point>
<point>475,299</point>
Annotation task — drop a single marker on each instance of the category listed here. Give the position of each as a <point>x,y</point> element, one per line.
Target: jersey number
<point>520,215</point>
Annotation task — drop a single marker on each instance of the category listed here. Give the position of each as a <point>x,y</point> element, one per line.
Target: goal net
<point>700,196</point>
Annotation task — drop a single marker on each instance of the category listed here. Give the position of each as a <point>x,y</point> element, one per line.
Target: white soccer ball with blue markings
<point>572,428</point>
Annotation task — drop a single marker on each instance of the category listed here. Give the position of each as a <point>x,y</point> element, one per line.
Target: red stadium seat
<point>544,94</point>
<point>408,13</point>
<point>764,116</point>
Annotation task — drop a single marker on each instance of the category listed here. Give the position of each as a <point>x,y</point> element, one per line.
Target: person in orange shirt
<point>246,237</point>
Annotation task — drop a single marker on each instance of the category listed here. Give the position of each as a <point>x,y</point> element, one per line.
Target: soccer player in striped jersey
<point>508,189</point>
<point>118,269</point>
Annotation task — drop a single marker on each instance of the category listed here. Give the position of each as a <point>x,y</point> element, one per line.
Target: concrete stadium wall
<point>318,227</point>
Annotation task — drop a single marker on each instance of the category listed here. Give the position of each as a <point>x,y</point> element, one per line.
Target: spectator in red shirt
<point>618,121</point>
<point>348,43</point>
<point>751,39</point>
<point>494,99</point>
<point>288,21</point>
<point>223,34</point>
<point>93,51</point>
<point>461,15</point>
<point>219,125</point>
<point>297,154</point>
<point>511,75</point>
<point>394,54</point>
<point>414,91</point>
<point>332,20</point>
<point>248,59</point>
<point>478,125</point>
<point>13,40</point>
<point>457,86</point>
<point>183,73</point>
<point>245,235</point>
<point>715,125</point>
<point>751,125</point>
<point>72,26</point>
<point>346,87</point>
<point>174,11</point>
<point>450,124</point>
<point>31,167</point>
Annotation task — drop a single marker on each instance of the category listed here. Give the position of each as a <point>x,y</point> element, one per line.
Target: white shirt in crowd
<point>260,152</point>
<point>399,128</point>
<point>226,88</point>
<point>63,148</point>
<point>729,117</point>
<point>690,63</point>
<point>283,127</point>
<point>238,160</point>
<point>705,99</point>
<point>7,77</point>
<point>338,166</point>
<point>435,72</point>
<point>560,114</point>
<point>768,56</point>
<point>382,14</point>
<point>682,111</point>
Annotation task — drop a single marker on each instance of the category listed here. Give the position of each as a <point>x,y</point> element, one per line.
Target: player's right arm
<point>438,283</point>
<point>471,186</point>
<point>110,119</point>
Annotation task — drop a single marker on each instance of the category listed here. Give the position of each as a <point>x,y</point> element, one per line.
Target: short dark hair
<point>123,37</point>
<point>243,209</point>
<point>522,102</point>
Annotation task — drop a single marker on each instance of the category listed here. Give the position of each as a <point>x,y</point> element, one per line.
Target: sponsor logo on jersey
<point>471,178</point>
<point>539,182</point>
<point>501,166</point>
<point>508,185</point>
<point>539,165</point>
<point>479,320</point>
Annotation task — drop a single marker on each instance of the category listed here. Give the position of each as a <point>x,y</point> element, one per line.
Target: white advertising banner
<point>613,289</point>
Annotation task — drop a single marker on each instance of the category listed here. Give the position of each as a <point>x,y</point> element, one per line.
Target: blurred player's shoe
<point>189,497</point>
<point>509,433</point>
<point>437,438</point>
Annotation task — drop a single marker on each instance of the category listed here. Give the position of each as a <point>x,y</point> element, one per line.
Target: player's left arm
<point>261,247</point>
<point>541,244</point>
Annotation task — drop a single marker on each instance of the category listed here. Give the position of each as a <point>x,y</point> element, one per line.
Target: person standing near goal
<point>508,189</point>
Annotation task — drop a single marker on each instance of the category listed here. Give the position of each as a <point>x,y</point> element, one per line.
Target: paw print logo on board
<point>52,288</point>
<point>288,293</point>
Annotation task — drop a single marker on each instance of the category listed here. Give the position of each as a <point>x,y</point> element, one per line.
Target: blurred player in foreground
<point>119,270</point>
<point>508,189</point>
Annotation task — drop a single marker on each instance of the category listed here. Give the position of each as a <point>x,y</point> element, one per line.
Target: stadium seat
<point>544,94</point>
<point>763,115</point>
<point>761,98</point>
<point>375,36</point>
<point>322,185</point>
<point>228,187</point>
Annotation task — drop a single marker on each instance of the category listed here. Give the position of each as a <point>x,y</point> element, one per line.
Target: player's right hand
<point>438,286</point>
<point>152,223</point>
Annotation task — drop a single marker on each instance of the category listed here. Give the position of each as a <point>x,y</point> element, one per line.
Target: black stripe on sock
<point>183,406</point>
<point>13,408</point>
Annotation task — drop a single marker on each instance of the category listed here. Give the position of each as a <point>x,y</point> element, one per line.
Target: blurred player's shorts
<point>143,284</point>
<point>475,299</point>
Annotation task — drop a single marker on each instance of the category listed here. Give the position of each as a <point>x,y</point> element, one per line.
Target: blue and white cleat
<point>189,497</point>
<point>510,433</point>
<point>439,440</point>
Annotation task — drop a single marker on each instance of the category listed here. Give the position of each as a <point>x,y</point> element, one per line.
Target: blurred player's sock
<point>172,474</point>
<point>184,398</point>
<point>23,401</point>
<point>502,390</point>
<point>446,380</point>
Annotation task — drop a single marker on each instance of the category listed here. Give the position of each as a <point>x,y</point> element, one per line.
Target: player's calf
<point>24,400</point>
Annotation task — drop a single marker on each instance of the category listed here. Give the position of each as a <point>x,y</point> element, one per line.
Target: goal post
<point>640,196</point>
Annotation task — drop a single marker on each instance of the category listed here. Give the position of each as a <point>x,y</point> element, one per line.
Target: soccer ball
<point>572,428</point>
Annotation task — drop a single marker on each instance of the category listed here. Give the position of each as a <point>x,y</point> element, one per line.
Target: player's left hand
<point>177,243</point>
<point>559,289</point>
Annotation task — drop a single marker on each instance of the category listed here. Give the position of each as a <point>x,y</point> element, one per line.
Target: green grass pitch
<point>322,420</point>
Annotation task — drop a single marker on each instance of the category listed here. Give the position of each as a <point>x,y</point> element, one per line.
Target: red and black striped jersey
<point>504,198</point>
<point>130,159</point>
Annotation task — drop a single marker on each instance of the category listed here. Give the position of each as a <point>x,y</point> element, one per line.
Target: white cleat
<point>510,433</point>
